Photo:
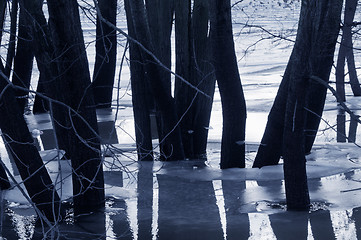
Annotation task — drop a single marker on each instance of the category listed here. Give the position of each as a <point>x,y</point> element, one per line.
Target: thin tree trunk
<point>23,61</point>
<point>229,83</point>
<point>341,125</point>
<point>105,59</point>
<point>27,159</point>
<point>350,10</point>
<point>202,75</point>
<point>172,147</point>
<point>141,106</point>
<point>183,94</point>
<point>41,105</point>
<point>12,40</point>
<point>2,16</point>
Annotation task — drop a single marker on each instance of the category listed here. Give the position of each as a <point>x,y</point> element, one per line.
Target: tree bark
<point>12,39</point>
<point>229,83</point>
<point>172,147</point>
<point>88,181</point>
<point>68,82</point>
<point>140,101</point>
<point>202,75</point>
<point>346,52</point>
<point>23,61</point>
<point>27,159</point>
<point>323,24</point>
<point>183,94</point>
<point>2,16</point>
<point>294,167</point>
<point>325,31</point>
<point>105,59</point>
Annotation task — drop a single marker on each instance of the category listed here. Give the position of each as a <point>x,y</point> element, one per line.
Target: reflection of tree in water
<point>187,209</point>
<point>237,221</point>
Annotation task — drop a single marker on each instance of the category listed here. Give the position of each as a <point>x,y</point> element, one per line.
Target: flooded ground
<point>194,199</point>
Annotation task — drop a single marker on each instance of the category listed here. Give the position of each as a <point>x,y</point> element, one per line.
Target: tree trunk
<point>172,147</point>
<point>229,83</point>
<point>27,159</point>
<point>105,59</point>
<point>202,75</point>
<point>141,106</point>
<point>323,25</point>
<point>325,31</point>
<point>294,167</point>
<point>70,85</point>
<point>183,94</point>
<point>12,39</point>
<point>23,61</point>
<point>88,181</point>
<point>350,10</point>
<point>2,16</point>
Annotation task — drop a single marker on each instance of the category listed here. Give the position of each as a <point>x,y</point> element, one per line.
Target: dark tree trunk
<point>229,83</point>
<point>23,61</point>
<point>325,31</point>
<point>183,94</point>
<point>88,181</point>
<point>68,81</point>
<point>294,167</point>
<point>41,105</point>
<point>323,25</point>
<point>105,59</point>
<point>160,15</point>
<point>12,40</point>
<point>27,159</point>
<point>2,16</point>
<point>202,75</point>
<point>172,147</point>
<point>346,52</point>
<point>270,149</point>
<point>141,106</point>
<point>341,125</point>
<point>350,10</point>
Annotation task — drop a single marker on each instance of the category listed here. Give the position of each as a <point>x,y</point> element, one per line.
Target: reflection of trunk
<point>105,59</point>
<point>172,147</point>
<point>321,225</point>
<point>295,226</point>
<point>346,52</point>
<point>229,83</point>
<point>341,125</point>
<point>193,201</point>
<point>27,159</point>
<point>145,200</point>
<point>352,130</point>
<point>140,101</point>
<point>321,26</point>
<point>23,61</point>
<point>356,217</point>
<point>237,223</point>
